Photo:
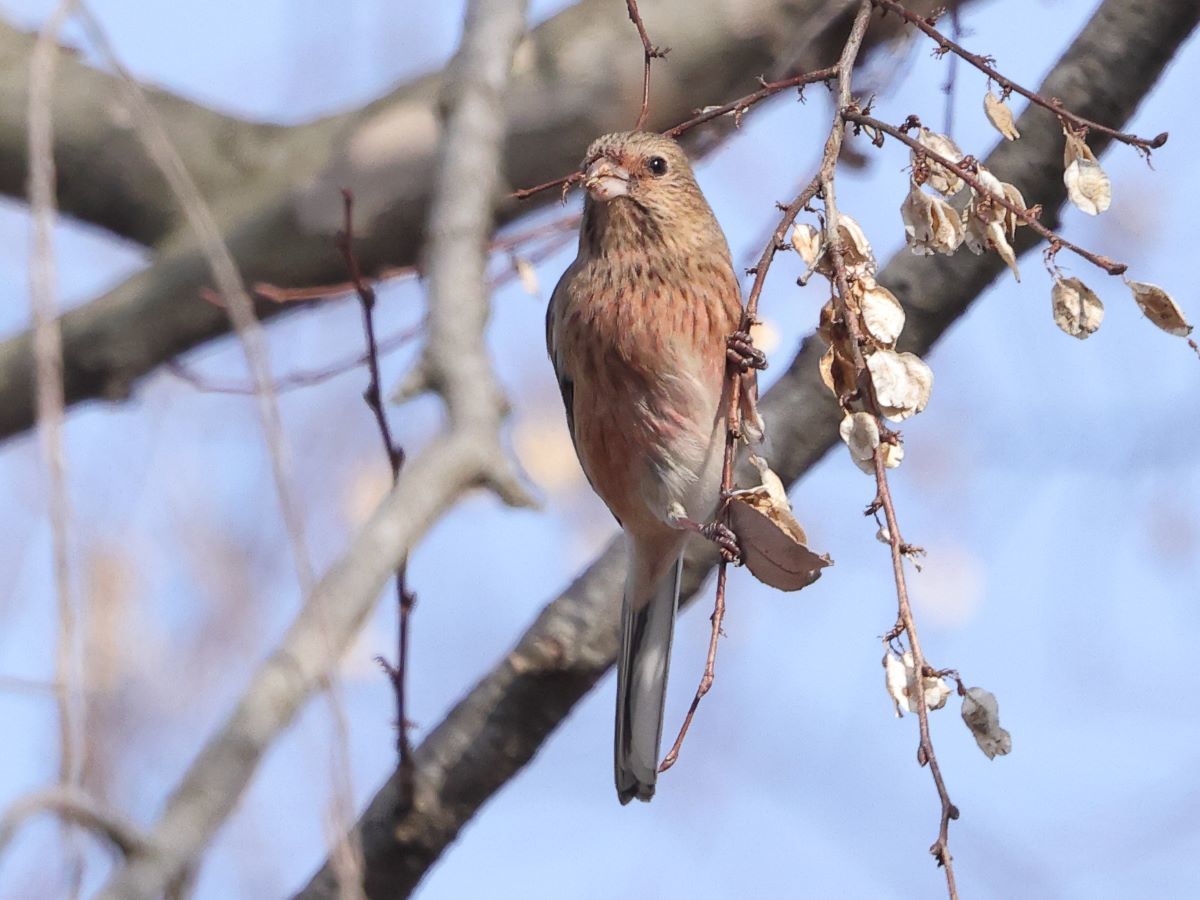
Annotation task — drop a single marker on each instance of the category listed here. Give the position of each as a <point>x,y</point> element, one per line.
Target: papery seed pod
<point>902,381</point>
<point>998,241</point>
<point>940,178</point>
<point>882,315</point>
<point>1087,184</point>
<point>1077,310</point>
<point>981,712</point>
<point>1159,307</point>
<point>1000,116</point>
<point>807,241</point>
<point>860,432</point>
<point>930,223</point>
<point>1011,219</point>
<point>856,249</point>
<point>900,677</point>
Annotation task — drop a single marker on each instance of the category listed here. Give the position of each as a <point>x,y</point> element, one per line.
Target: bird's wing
<point>565,385</point>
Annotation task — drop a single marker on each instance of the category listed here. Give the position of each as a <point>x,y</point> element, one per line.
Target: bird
<point>640,330</point>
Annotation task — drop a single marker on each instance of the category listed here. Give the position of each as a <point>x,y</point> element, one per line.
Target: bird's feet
<point>740,350</point>
<point>717,532</point>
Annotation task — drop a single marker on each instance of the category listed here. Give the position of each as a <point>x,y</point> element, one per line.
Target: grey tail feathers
<point>647,626</point>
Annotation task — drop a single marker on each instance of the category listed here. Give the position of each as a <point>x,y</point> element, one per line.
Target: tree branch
<point>454,365</point>
<point>495,730</point>
<point>278,211</point>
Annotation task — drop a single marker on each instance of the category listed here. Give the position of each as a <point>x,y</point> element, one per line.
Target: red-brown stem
<point>373,395</point>
<point>941,847</point>
<point>649,52</point>
<point>733,427</point>
<point>925,753</point>
<point>738,107</point>
<point>1112,267</point>
<point>1145,145</point>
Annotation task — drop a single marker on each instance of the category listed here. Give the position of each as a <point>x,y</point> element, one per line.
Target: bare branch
<point>48,354</point>
<point>283,192</point>
<point>982,63</point>
<point>496,729</point>
<point>455,365</point>
<point>967,174</point>
<point>70,804</point>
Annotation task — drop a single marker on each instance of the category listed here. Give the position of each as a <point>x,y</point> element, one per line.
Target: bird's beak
<point>604,179</point>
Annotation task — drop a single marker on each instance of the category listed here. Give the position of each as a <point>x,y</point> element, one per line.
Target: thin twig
<point>733,430</point>
<point>737,107</point>
<point>982,63</point>
<point>967,174</point>
<point>926,756</point>
<point>48,357</point>
<point>373,395</point>
<point>950,86</point>
<point>649,52</point>
<point>162,150</point>
<point>294,380</point>
<point>72,804</point>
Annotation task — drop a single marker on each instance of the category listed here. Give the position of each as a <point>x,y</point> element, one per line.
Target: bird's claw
<point>726,541</point>
<point>740,350</point>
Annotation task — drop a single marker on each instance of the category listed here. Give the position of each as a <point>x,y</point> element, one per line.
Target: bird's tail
<point>647,625</point>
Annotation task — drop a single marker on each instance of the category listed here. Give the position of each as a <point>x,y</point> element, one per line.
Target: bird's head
<point>642,182</point>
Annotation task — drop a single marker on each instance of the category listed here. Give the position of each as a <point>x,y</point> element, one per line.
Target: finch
<point>637,331</point>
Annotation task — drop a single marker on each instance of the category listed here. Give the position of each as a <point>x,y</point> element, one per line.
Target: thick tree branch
<point>496,729</point>
<point>278,203</point>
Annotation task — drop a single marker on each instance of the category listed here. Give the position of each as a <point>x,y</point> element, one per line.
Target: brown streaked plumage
<point>637,331</point>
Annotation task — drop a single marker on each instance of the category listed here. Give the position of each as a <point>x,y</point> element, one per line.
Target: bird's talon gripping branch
<point>720,534</point>
<point>740,350</point>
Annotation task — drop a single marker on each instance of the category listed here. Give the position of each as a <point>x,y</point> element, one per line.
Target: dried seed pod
<point>1000,116</point>
<point>1011,219</point>
<point>930,223</point>
<point>856,249</point>
<point>807,241</point>
<point>903,383</point>
<point>1087,184</point>
<point>981,712</point>
<point>882,315</point>
<point>860,432</point>
<point>900,678</point>
<point>939,177</point>
<point>1159,307</point>
<point>1077,310</point>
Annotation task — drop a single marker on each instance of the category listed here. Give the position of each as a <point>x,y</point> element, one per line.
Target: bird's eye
<point>657,166</point>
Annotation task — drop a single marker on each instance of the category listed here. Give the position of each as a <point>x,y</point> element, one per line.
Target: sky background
<point>1053,482</point>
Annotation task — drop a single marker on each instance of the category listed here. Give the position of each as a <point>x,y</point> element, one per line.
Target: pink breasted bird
<point>637,331</point>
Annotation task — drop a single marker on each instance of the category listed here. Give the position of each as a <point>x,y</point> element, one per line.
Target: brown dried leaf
<point>837,371</point>
<point>1000,116</point>
<point>1077,310</point>
<point>1159,307</point>
<point>774,546</point>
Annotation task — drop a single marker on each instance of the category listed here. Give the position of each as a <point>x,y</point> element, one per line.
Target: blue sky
<point>1053,483</point>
